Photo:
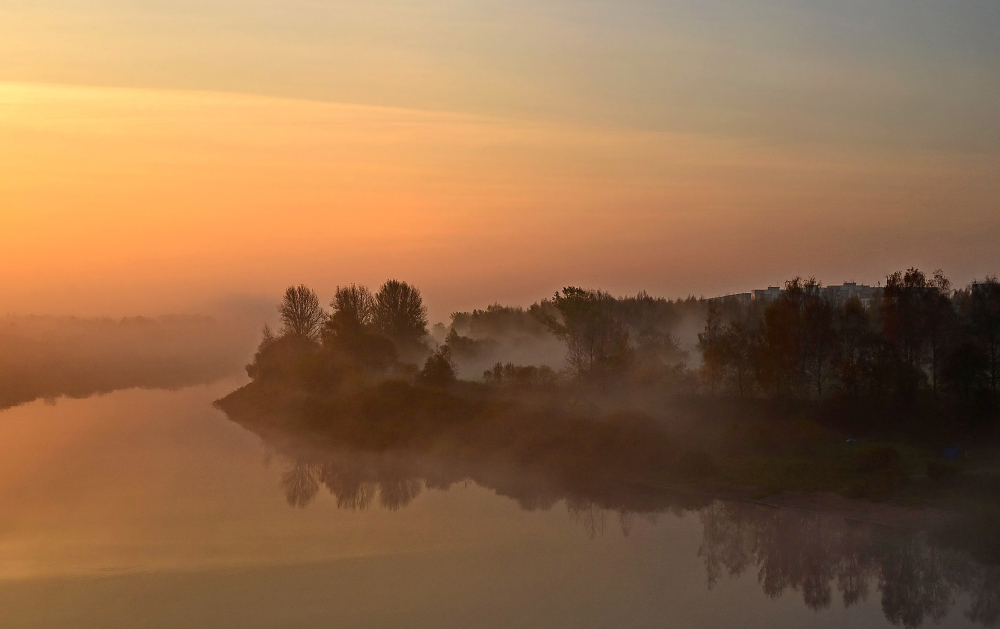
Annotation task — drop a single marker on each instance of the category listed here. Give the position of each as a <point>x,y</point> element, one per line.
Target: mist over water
<point>573,462</point>
<point>199,532</point>
<point>335,314</point>
<point>49,357</point>
<point>480,313</point>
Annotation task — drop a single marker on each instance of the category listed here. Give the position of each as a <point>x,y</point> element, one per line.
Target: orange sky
<point>126,200</point>
<point>172,157</point>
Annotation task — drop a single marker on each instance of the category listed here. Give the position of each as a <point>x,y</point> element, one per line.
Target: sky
<point>184,156</point>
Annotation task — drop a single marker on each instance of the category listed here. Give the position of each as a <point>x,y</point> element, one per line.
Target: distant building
<point>834,294</point>
<point>743,299</point>
<point>839,294</point>
<point>767,294</point>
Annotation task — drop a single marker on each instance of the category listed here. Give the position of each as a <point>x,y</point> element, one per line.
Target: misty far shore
<point>45,357</point>
<point>894,398</point>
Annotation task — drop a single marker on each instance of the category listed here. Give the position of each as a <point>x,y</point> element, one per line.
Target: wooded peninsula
<point>890,399</point>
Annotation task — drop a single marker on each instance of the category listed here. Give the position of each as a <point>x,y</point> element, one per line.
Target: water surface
<point>153,509</point>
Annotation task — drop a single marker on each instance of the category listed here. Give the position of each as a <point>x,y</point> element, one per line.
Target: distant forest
<point>920,351</point>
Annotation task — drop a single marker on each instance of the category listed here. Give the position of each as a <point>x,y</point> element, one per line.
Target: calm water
<point>152,509</point>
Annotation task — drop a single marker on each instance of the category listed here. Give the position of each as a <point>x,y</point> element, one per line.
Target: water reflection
<point>392,480</point>
<point>812,553</point>
<point>916,577</point>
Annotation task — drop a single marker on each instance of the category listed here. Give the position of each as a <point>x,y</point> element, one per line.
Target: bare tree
<point>353,303</point>
<point>301,314</point>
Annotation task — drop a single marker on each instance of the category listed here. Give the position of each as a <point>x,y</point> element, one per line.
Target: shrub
<point>439,370</point>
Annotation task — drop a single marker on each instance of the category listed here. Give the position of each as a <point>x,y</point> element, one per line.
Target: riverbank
<point>539,452</point>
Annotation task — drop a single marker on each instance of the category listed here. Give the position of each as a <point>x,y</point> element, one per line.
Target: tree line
<point>364,335</point>
<point>920,344</point>
<point>606,338</point>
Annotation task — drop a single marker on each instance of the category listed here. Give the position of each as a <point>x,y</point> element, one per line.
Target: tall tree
<point>862,366</point>
<point>819,337</point>
<point>711,342</point>
<point>596,337</point>
<point>348,340</point>
<point>439,369</point>
<point>399,313</point>
<point>918,318</point>
<point>354,304</point>
<point>740,349</point>
<point>301,313</point>
<point>902,314</point>
<point>782,353</point>
<point>939,323</point>
<point>984,324</point>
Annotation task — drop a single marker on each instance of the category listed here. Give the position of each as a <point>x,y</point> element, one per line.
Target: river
<point>150,508</point>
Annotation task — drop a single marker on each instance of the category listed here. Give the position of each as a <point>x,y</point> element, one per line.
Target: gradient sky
<point>163,156</point>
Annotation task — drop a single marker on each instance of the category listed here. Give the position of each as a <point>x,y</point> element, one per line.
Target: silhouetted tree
<point>738,348</point>
<point>439,370</point>
<point>498,321</point>
<point>648,321</point>
<point>286,358</point>
<point>939,322</point>
<point>301,313</point>
<point>353,305</point>
<point>712,346</point>
<point>782,366</point>
<point>983,313</point>
<point>819,337</point>
<point>902,314</point>
<point>523,375</point>
<point>865,361</point>
<point>966,369</point>
<point>399,314</point>
<point>596,339</point>
<point>918,318</point>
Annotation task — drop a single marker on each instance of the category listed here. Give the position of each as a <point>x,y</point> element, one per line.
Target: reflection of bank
<point>811,553</point>
<point>360,479</point>
<point>917,577</point>
<point>367,447</point>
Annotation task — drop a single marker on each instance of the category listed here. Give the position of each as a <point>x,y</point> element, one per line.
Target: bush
<point>527,376</point>
<point>439,370</point>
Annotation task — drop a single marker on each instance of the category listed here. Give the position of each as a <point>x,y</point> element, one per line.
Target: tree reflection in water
<point>811,553</point>
<point>918,577</point>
